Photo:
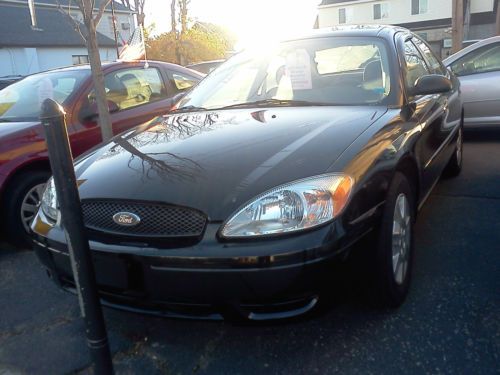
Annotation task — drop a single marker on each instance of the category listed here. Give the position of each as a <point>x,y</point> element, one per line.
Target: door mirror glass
<point>431,84</point>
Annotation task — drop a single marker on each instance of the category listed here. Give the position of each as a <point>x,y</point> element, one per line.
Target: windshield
<point>320,71</point>
<point>21,101</point>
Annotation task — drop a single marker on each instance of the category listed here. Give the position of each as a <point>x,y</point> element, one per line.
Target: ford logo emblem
<point>127,219</point>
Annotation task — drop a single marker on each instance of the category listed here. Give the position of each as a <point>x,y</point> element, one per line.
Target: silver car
<point>478,68</point>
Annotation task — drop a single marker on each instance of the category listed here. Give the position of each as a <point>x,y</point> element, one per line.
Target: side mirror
<point>89,112</point>
<point>179,96</point>
<point>431,84</point>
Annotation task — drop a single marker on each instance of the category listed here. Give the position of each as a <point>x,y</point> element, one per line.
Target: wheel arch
<point>32,165</point>
<point>408,167</point>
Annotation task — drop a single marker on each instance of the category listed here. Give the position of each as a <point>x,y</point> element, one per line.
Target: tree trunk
<point>104,118</point>
<point>140,13</point>
<point>184,10</point>
<point>173,22</point>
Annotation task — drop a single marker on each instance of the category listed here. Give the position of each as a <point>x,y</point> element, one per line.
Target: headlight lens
<point>49,200</point>
<point>292,207</point>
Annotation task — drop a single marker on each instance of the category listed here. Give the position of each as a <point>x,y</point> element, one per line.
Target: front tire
<point>394,257</point>
<point>22,199</point>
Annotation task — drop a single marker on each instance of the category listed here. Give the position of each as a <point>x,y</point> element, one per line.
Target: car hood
<point>217,161</point>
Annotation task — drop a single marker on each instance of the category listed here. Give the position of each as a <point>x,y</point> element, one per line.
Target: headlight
<point>292,207</point>
<point>49,200</point>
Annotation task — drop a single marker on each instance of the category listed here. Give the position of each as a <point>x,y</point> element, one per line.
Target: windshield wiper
<point>188,108</point>
<point>276,103</point>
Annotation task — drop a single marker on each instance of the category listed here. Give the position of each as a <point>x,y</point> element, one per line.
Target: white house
<point>429,18</point>
<point>53,41</point>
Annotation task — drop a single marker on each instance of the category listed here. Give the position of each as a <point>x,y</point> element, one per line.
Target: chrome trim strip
<point>50,248</point>
<point>367,214</point>
<point>424,199</point>
<point>445,143</point>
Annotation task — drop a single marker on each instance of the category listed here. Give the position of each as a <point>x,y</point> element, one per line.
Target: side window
<point>483,60</point>
<point>415,64</point>
<point>132,87</point>
<point>434,64</point>
<point>183,81</point>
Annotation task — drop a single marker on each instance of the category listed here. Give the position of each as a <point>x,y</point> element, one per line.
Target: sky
<point>250,20</point>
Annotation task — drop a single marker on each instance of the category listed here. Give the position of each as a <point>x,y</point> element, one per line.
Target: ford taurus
<point>273,168</point>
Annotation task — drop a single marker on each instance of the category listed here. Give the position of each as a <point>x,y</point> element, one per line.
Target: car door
<point>431,113</point>
<point>135,95</point>
<point>140,94</point>
<point>479,74</point>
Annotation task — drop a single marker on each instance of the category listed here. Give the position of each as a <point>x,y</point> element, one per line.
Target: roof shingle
<point>54,29</point>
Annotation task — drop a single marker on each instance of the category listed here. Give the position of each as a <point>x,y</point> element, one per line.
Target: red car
<point>136,93</point>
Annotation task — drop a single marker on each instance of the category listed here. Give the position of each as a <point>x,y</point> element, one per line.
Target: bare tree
<point>173,16</point>
<point>91,17</point>
<point>138,7</point>
<point>183,14</point>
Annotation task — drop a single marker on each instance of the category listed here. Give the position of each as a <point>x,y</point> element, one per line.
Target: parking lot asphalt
<point>450,323</point>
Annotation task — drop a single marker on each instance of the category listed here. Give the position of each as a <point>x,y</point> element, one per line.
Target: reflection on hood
<point>215,161</point>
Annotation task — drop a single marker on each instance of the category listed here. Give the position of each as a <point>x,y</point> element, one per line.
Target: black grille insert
<point>156,220</point>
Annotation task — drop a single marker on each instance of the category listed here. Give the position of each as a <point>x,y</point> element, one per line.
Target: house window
<point>380,11</point>
<point>80,59</point>
<point>418,6</point>
<point>342,15</point>
<point>345,15</point>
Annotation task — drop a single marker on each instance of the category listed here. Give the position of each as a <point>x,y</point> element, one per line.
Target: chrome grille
<point>157,220</point>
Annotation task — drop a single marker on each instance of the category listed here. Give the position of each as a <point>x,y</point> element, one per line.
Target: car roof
<point>110,65</point>
<point>451,59</point>
<point>361,30</point>
<point>204,63</point>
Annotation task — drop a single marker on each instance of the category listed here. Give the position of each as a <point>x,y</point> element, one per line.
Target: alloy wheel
<point>30,204</point>
<point>401,238</point>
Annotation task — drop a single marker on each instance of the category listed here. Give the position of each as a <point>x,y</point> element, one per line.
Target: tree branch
<point>67,15</point>
<point>100,12</point>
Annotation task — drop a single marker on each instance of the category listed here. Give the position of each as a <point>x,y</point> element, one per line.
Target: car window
<point>434,64</point>
<point>327,71</point>
<point>415,64</point>
<point>183,81</point>
<point>364,59</point>
<point>128,88</point>
<point>483,60</point>
<point>22,100</point>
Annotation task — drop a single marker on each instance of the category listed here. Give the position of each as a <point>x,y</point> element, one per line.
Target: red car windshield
<point>21,101</point>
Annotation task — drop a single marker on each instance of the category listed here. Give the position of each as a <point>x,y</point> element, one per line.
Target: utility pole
<point>457,25</point>
<point>497,5</point>
<point>467,19</point>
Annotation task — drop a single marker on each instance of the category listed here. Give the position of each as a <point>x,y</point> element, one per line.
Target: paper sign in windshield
<point>298,69</point>
<point>45,90</point>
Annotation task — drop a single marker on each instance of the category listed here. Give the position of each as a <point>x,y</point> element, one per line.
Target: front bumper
<point>257,280</point>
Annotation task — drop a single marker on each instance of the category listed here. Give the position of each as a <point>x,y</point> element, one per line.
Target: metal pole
<point>61,161</point>
<point>114,28</point>
<point>497,7</point>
